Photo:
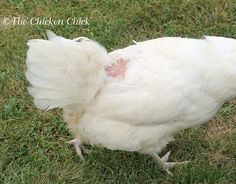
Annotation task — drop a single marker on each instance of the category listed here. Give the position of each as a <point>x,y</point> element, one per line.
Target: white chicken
<point>136,98</point>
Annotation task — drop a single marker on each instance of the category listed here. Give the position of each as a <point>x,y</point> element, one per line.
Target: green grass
<point>33,146</point>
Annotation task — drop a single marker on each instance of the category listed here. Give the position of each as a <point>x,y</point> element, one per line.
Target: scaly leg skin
<point>163,161</point>
<point>79,148</point>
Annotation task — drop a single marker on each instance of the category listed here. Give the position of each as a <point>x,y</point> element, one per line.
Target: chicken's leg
<point>80,149</point>
<point>163,161</point>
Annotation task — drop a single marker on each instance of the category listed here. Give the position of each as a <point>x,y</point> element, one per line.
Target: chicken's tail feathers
<point>63,72</point>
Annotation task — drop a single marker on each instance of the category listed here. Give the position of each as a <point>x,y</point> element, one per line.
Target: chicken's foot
<point>79,147</point>
<point>163,161</point>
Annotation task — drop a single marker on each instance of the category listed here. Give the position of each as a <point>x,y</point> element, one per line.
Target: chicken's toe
<point>79,148</point>
<point>163,161</point>
<point>165,158</point>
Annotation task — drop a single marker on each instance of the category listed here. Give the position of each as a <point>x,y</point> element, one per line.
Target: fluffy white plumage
<point>170,84</point>
<point>62,72</point>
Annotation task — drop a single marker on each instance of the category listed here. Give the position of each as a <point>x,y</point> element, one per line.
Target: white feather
<point>50,34</point>
<point>170,84</point>
<point>63,72</point>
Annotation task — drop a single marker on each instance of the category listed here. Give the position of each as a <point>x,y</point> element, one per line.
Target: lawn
<point>33,146</point>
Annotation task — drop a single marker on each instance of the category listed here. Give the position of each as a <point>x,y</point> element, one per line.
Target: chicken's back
<point>160,85</point>
<point>165,89</point>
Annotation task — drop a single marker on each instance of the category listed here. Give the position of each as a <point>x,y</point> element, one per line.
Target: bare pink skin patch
<point>118,68</point>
